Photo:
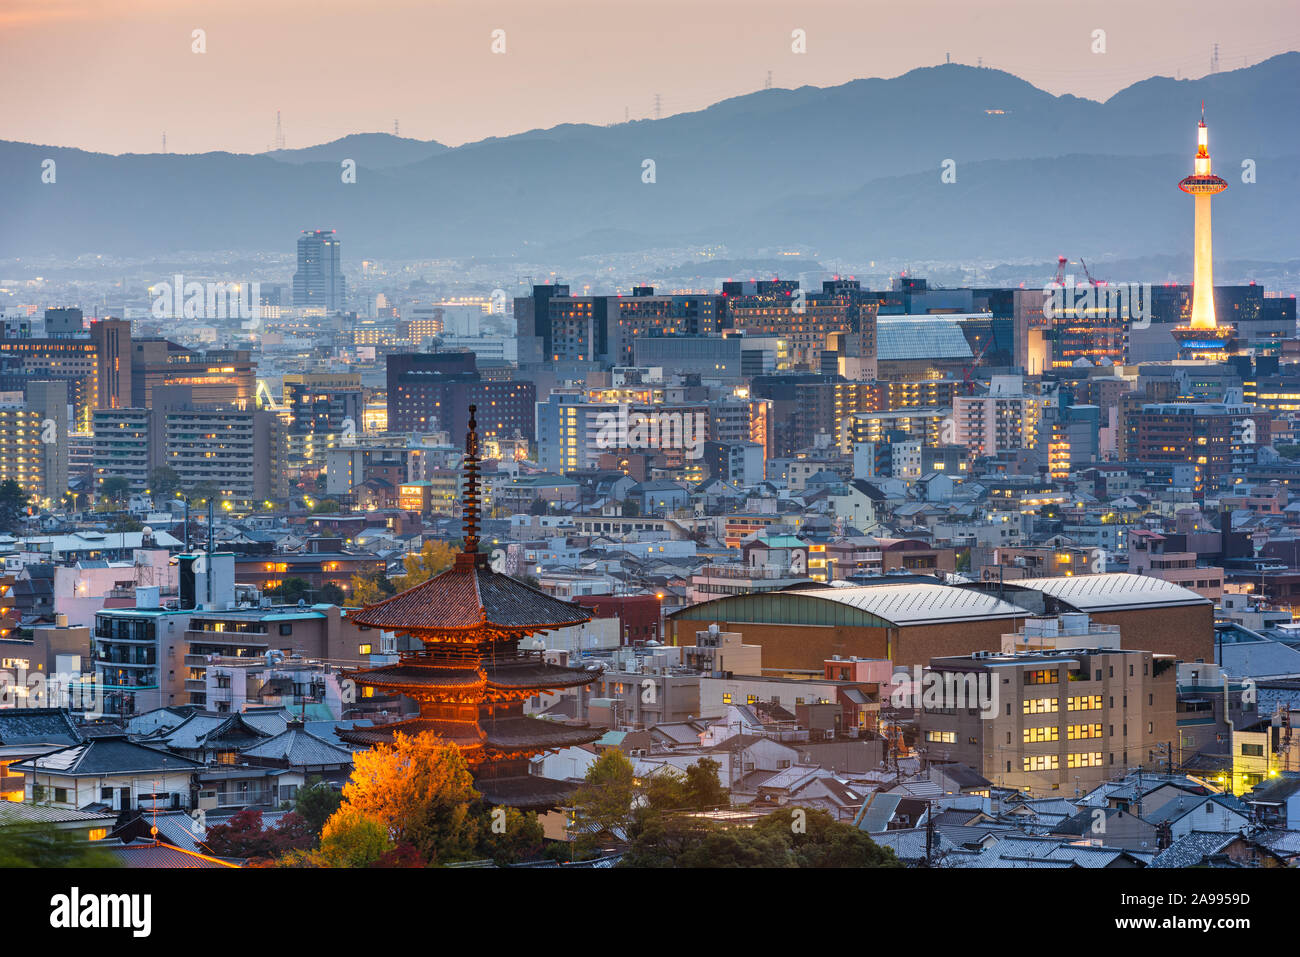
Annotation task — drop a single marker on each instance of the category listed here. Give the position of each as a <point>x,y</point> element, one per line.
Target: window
<point>97,834</point>
<point>1041,762</point>
<point>363,649</point>
<point>1085,759</point>
<point>60,795</point>
<point>1040,705</point>
<point>726,697</point>
<point>941,737</point>
<point>1252,750</point>
<point>286,629</point>
<point>1087,702</point>
<point>1049,676</point>
<point>1076,731</point>
<point>1034,735</point>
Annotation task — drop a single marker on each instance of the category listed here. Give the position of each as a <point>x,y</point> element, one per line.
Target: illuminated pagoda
<point>471,679</point>
<point>1203,338</point>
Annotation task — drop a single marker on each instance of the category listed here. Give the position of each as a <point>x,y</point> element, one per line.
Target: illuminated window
<point>941,737</point>
<point>1047,677</point>
<point>1042,762</point>
<point>364,650</point>
<point>1086,759</point>
<point>1034,735</point>
<point>1077,731</point>
<point>1039,705</point>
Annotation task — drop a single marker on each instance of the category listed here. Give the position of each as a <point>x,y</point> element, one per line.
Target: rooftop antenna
<point>768,84</point>
<point>1214,60</point>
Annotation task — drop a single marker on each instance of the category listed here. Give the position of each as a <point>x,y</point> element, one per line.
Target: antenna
<point>279,132</point>
<point>1214,60</point>
<point>164,142</point>
<point>396,127</point>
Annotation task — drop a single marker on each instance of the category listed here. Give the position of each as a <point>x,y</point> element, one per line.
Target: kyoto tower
<point>1204,338</point>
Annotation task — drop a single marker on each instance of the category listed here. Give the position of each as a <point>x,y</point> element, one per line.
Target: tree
<point>201,492</point>
<point>507,835</point>
<point>44,845</point>
<point>115,488</point>
<point>821,841</point>
<point>326,506</point>
<point>164,480</point>
<point>243,836</point>
<point>420,566</point>
<point>290,590</point>
<point>124,523</point>
<point>420,789</point>
<point>631,508</point>
<point>538,507</point>
<point>368,589</point>
<point>316,801</point>
<point>331,594</point>
<point>603,803</point>
<point>13,505</point>
<point>703,788</point>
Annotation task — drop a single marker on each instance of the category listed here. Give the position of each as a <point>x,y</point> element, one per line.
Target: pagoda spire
<point>469,506</point>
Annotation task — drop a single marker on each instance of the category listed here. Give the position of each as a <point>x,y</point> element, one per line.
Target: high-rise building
<point>237,453</point>
<point>430,392</point>
<point>319,280</point>
<point>33,438</point>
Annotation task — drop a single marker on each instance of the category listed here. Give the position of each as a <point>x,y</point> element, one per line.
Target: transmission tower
<point>658,107</point>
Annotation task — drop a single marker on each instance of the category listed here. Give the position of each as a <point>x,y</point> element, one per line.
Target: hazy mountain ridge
<point>847,170</point>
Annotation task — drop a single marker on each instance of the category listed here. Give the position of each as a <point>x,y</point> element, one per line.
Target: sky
<point>114,75</point>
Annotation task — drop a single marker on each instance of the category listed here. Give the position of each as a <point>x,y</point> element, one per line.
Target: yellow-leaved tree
<point>433,559</point>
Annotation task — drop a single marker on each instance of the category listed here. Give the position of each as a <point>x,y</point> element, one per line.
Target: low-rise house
<point>110,772</point>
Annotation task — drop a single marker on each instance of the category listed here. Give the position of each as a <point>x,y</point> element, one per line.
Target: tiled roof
<point>36,726</point>
<point>468,596</point>
<point>161,856</point>
<point>299,748</point>
<point>109,755</point>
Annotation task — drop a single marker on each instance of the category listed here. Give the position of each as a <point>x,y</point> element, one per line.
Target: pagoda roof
<point>504,734</point>
<point>467,596</point>
<point>512,673</point>
<point>526,791</point>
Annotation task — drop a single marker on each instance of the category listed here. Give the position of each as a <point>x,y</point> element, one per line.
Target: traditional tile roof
<point>299,749</point>
<point>467,596</point>
<point>20,726</point>
<point>109,755</point>
<point>161,856</point>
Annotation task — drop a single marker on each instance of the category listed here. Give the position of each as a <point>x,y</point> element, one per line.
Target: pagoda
<point>471,678</point>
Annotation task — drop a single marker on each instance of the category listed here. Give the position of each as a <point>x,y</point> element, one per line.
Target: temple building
<point>471,678</point>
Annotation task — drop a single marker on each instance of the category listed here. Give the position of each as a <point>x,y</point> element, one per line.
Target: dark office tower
<point>533,323</point>
<point>112,339</point>
<point>429,392</point>
<point>319,279</point>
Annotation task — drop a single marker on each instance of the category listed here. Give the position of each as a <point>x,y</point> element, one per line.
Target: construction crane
<point>968,378</point>
<point>1095,282</point>
<point>1059,278</point>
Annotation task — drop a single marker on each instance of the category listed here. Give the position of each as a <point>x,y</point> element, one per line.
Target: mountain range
<point>846,171</point>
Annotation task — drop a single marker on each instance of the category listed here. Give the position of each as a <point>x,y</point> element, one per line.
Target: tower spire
<point>470,504</point>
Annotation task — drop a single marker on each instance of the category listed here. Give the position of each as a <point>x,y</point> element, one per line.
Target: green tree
<point>316,801</point>
<point>631,508</point>
<point>13,505</point>
<point>331,594</point>
<point>703,788</point>
<point>115,488</point>
<point>164,480</point>
<point>290,590</point>
<point>44,845</point>
<point>507,835</point>
<point>603,803</point>
<point>326,506</point>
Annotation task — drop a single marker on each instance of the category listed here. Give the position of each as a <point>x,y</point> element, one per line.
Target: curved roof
<point>1114,591</point>
<point>873,606</point>
<point>469,595</point>
<point>919,603</point>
